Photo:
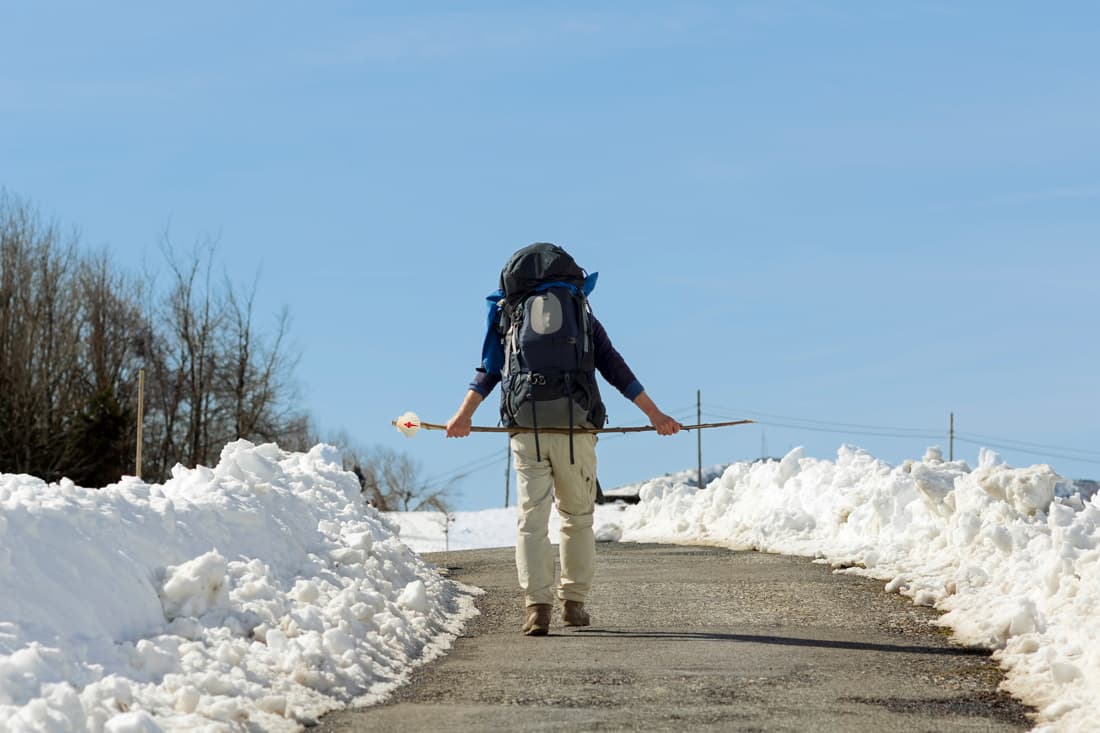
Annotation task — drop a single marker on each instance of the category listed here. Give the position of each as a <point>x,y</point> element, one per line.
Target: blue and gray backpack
<point>544,327</point>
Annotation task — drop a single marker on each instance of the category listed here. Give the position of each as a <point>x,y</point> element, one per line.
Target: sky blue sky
<point>861,212</point>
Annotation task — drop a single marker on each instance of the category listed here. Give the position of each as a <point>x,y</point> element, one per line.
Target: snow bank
<point>257,594</point>
<point>439,532</point>
<point>1011,555</point>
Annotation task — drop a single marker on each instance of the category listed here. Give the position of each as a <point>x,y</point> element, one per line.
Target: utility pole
<point>951,440</point>
<point>699,433</point>
<point>508,475</point>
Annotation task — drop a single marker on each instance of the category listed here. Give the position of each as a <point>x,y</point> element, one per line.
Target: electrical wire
<point>466,469</point>
<point>861,426</point>
<point>464,466</point>
<point>1022,444</point>
<point>990,441</point>
<point>835,431</point>
<point>1041,454</point>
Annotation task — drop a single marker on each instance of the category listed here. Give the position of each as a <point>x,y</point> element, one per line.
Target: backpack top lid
<point>535,265</point>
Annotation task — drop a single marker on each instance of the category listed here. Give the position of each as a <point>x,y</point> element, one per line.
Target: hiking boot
<point>538,619</point>
<point>573,614</point>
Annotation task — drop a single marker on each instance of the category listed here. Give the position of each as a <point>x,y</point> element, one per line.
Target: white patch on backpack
<point>546,314</point>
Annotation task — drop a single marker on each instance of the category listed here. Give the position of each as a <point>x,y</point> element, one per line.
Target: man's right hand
<point>664,424</point>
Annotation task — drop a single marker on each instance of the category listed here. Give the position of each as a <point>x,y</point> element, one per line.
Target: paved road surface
<point>698,639</point>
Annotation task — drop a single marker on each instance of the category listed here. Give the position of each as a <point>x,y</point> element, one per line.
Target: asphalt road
<point>698,639</point>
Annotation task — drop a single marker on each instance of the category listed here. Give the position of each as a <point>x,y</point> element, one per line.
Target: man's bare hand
<point>664,424</point>
<point>459,425</point>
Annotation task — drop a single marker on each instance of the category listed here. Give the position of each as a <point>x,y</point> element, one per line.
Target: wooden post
<point>140,420</point>
<point>699,433</point>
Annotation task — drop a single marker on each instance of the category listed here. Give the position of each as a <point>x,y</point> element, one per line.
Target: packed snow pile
<point>262,592</point>
<point>254,595</point>
<point>1012,555</point>
<point>688,476</point>
<point>439,532</point>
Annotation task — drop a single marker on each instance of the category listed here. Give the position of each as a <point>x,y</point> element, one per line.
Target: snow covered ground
<point>1011,555</point>
<point>264,592</point>
<point>259,593</point>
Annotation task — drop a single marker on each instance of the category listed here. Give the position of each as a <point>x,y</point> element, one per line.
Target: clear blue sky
<point>860,212</point>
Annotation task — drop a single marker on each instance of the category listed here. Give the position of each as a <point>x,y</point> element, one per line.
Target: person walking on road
<point>544,346</point>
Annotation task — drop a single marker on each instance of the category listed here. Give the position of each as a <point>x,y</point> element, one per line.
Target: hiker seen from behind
<point>543,346</point>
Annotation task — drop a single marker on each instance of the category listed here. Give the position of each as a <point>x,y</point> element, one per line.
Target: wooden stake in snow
<point>140,420</point>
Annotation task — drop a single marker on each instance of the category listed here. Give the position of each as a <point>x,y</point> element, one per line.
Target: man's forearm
<point>470,403</point>
<point>646,405</point>
<point>459,425</point>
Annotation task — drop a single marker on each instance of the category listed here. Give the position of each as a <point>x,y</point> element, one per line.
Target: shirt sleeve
<point>492,352</point>
<point>484,382</point>
<point>611,364</point>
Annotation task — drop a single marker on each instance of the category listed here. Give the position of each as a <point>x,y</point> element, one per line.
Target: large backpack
<point>549,371</point>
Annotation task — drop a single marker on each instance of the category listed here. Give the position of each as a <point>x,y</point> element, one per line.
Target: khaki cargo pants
<point>573,486</point>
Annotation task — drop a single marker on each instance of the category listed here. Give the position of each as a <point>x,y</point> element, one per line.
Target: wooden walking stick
<point>409,424</point>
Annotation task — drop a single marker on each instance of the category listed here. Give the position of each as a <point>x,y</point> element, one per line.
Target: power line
<point>1046,454</point>
<point>835,431</point>
<point>842,428</point>
<point>921,431</point>
<point>1028,444</point>
<point>685,409</point>
<point>464,470</point>
<point>461,467</point>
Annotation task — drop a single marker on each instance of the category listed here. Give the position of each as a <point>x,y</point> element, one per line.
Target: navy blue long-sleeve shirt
<point>609,363</point>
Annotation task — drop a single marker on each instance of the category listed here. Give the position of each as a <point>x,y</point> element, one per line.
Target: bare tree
<point>74,333</point>
<point>193,318</point>
<point>254,377</point>
<point>215,376</point>
<point>38,340</point>
<point>64,353</point>
<point>110,321</point>
<point>390,481</point>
